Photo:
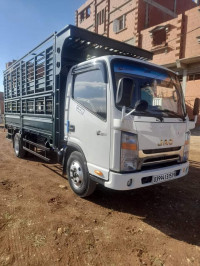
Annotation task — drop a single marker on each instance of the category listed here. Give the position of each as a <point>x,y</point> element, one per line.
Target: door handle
<point>99,133</point>
<point>71,128</point>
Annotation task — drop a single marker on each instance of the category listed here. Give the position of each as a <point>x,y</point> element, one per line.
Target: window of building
<point>82,16</point>
<point>195,76</point>
<point>88,12</point>
<point>159,35</point>
<point>101,17</point>
<point>90,92</point>
<point>119,24</point>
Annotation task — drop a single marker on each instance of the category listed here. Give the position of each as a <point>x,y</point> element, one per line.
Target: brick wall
<point>168,52</point>
<point>135,11</point>
<point>130,30</point>
<point>87,23</point>
<point>181,43</point>
<point>192,92</point>
<point>192,21</point>
<point>156,16</point>
<point>183,5</point>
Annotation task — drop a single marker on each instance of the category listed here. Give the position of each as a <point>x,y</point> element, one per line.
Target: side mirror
<point>196,106</point>
<point>125,92</point>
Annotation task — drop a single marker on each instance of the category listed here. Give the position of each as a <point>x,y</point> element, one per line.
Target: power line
<point>184,34</point>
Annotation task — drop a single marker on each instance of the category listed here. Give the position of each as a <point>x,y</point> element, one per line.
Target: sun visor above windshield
<point>141,70</point>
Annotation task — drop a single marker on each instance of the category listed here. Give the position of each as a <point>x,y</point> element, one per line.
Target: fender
<point>67,151</point>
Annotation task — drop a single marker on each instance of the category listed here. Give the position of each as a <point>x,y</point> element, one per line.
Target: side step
<point>43,148</point>
<point>10,134</point>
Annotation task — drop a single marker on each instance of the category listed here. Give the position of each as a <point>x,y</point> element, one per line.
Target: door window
<point>90,91</point>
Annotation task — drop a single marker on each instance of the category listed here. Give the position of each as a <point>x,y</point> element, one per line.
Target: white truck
<point>112,117</point>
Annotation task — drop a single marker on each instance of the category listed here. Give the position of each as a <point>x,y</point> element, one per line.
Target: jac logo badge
<point>165,142</point>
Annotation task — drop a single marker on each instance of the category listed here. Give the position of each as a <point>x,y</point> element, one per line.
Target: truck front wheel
<point>78,175</point>
<point>18,146</point>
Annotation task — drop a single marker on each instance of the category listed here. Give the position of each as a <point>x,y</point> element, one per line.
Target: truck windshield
<point>158,87</point>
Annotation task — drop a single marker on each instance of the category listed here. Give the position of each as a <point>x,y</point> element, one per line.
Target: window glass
<point>122,23</point>
<point>159,88</point>
<point>82,16</point>
<point>88,11</point>
<point>90,91</point>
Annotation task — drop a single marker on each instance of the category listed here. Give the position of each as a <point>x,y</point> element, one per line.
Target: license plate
<point>164,177</point>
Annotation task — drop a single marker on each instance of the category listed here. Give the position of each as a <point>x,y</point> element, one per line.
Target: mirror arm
<point>130,112</point>
<point>123,112</point>
<point>195,118</point>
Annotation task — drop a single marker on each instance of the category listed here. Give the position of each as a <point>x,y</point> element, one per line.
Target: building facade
<point>1,103</point>
<point>170,29</point>
<point>178,48</point>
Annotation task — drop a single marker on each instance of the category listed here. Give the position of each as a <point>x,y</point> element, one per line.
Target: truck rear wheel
<point>18,146</point>
<point>78,175</point>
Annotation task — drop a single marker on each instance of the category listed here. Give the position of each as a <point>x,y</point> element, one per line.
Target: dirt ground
<point>43,223</point>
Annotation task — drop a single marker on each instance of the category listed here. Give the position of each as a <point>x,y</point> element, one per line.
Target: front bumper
<point>119,181</point>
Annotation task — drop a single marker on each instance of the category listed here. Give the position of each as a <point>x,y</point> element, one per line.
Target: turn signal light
<point>129,146</point>
<point>98,172</point>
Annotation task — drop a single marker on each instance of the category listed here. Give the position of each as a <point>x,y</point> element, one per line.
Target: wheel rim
<point>76,174</point>
<point>16,147</point>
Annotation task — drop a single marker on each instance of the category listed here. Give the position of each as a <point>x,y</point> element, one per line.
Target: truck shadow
<point>196,131</point>
<point>173,207</point>
<point>55,168</point>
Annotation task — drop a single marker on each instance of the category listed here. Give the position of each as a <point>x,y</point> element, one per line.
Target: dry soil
<point>42,222</point>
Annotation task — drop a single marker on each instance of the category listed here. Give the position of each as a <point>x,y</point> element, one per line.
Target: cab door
<point>89,116</point>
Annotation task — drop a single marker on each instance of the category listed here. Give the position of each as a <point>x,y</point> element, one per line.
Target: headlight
<point>186,147</point>
<point>129,152</point>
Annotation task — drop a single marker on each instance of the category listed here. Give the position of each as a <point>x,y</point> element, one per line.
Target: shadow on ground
<point>195,131</point>
<point>173,207</point>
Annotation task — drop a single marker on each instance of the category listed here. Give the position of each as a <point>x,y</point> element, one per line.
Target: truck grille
<point>162,159</point>
<point>152,159</point>
<point>161,150</point>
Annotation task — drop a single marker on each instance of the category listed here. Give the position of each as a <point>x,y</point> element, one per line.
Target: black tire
<point>78,175</point>
<point>18,146</point>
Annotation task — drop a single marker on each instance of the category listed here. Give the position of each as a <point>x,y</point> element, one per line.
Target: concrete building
<point>1,103</point>
<point>170,29</point>
<point>1,107</point>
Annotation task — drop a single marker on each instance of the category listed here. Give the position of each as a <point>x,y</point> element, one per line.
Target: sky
<point>26,23</point>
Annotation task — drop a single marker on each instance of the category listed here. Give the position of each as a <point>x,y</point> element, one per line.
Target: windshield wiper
<point>152,115</point>
<point>145,112</point>
<point>170,112</point>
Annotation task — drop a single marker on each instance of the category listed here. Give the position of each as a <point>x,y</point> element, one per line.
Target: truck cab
<point>128,118</point>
